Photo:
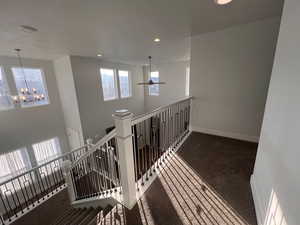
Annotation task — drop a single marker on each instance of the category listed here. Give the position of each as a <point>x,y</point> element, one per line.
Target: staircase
<point>83,216</point>
<point>116,170</point>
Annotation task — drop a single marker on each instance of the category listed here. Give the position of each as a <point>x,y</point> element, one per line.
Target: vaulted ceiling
<point>121,30</point>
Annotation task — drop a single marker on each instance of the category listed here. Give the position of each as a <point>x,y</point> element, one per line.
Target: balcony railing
<point>22,193</point>
<point>155,133</point>
<point>121,165</point>
<point>130,156</point>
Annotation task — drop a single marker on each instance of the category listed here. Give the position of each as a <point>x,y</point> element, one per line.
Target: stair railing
<point>96,173</point>
<point>25,191</point>
<point>155,135</point>
<point>124,160</point>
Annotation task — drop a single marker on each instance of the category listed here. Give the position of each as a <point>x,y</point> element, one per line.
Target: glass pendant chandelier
<point>26,93</point>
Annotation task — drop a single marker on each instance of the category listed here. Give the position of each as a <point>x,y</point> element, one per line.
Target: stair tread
<point>77,217</point>
<point>90,216</point>
<point>68,221</point>
<point>67,217</point>
<point>94,220</point>
<point>83,216</point>
<point>59,219</point>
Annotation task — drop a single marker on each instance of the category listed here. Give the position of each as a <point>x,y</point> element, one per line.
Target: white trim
<point>110,193</point>
<point>256,199</point>
<point>225,134</point>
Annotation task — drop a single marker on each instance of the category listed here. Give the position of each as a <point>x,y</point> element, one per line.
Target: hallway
<point>206,182</point>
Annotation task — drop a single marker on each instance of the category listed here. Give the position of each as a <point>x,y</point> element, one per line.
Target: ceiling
<point>121,30</point>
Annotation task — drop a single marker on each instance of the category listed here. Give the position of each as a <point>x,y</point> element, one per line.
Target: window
<point>14,163</point>
<point>125,83</point>
<point>109,86</point>
<point>187,82</point>
<point>5,99</point>
<point>34,78</point>
<point>154,89</point>
<point>46,150</point>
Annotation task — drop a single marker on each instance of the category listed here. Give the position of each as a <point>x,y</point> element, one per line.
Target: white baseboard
<point>225,134</point>
<point>257,201</point>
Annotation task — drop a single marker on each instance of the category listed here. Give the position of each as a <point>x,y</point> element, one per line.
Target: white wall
<point>230,71</point>
<point>174,74</point>
<point>277,171</point>
<point>21,127</point>
<point>95,113</point>
<point>68,98</point>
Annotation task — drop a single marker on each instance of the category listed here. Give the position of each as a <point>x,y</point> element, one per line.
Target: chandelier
<point>26,93</point>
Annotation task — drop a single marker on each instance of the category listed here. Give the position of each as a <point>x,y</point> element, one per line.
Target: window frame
<point>149,88</point>
<point>57,145</point>
<point>4,77</point>
<point>44,85</point>
<point>115,84</point>
<point>129,83</point>
<point>25,158</point>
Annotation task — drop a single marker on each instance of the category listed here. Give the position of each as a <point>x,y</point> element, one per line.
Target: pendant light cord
<point>150,66</point>
<point>22,67</point>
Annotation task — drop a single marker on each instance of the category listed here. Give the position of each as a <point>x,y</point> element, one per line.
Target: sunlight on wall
<point>274,214</point>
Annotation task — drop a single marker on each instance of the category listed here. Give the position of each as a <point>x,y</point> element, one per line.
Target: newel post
<point>125,148</point>
<point>66,167</point>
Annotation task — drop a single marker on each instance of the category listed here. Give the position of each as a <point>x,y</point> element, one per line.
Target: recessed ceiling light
<point>156,40</point>
<point>99,55</point>
<point>222,2</point>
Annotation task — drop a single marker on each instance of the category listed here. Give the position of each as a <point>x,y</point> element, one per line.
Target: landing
<point>207,182</point>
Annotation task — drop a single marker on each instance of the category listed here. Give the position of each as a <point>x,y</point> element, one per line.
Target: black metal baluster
<point>145,149</point>
<point>3,203</point>
<point>99,162</point>
<point>34,187</point>
<point>11,210</point>
<point>135,146</point>
<point>22,191</point>
<point>140,153</point>
<point>102,163</point>
<point>17,197</point>
<point>53,177</point>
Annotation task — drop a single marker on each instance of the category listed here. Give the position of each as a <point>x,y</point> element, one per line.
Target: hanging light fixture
<point>222,2</point>
<point>150,81</point>
<point>26,93</point>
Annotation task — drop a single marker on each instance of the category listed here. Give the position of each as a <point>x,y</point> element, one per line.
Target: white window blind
<point>5,99</point>
<point>125,83</point>
<point>46,150</point>
<point>13,164</point>
<point>154,89</point>
<point>109,86</point>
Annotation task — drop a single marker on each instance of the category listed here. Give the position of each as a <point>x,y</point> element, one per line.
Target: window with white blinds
<point>154,89</point>
<point>13,164</point>
<point>46,150</point>
<point>125,83</point>
<point>5,99</point>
